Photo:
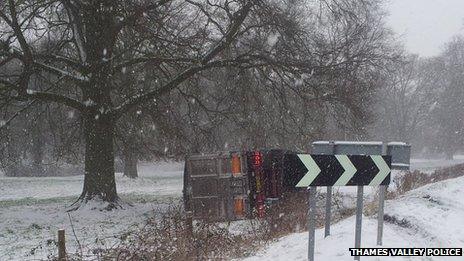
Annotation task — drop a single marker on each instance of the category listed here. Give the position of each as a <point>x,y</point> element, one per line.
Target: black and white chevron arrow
<point>342,170</point>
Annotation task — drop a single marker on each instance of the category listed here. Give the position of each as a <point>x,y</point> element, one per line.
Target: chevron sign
<point>343,170</point>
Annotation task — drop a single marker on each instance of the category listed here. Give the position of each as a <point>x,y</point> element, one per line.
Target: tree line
<point>421,102</point>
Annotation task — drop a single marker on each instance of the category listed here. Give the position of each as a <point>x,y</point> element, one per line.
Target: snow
<point>33,209</point>
<point>397,143</point>
<point>433,214</point>
<point>321,142</point>
<point>435,211</point>
<point>367,143</point>
<point>272,39</point>
<point>70,114</point>
<point>335,247</point>
<point>89,103</point>
<point>430,165</point>
<point>81,78</point>
<point>400,165</point>
<point>162,179</point>
<point>433,106</point>
<point>29,91</point>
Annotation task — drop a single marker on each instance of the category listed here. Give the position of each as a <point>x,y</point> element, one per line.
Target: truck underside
<point>238,184</point>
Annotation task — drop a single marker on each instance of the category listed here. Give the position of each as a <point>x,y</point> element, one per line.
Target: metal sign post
<point>382,192</point>
<point>311,222</point>
<point>328,210</point>
<point>326,148</point>
<point>359,210</point>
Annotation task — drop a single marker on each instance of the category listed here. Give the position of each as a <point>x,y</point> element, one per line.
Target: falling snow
<point>70,114</point>
<point>272,39</point>
<point>89,103</point>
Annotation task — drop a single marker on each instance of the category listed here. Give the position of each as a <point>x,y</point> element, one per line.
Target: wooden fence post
<point>189,221</point>
<point>61,245</point>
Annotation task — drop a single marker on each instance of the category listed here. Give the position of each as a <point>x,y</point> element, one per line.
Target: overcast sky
<point>426,25</point>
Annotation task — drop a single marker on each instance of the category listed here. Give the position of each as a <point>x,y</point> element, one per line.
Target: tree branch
<point>43,96</point>
<point>205,63</point>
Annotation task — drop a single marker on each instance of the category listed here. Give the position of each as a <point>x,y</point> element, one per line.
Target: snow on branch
<point>60,72</point>
<point>53,97</point>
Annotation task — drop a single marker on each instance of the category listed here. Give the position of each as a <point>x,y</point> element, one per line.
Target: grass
<point>68,200</point>
<point>167,235</point>
<point>416,179</point>
<point>29,201</point>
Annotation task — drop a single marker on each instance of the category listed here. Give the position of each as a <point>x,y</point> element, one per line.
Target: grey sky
<point>426,25</point>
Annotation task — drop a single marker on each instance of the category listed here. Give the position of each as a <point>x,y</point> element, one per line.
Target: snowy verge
<point>431,216</point>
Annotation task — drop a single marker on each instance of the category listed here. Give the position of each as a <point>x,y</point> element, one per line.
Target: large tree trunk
<point>99,181</point>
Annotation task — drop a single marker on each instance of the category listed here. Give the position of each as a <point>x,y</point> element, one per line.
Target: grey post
<point>328,207</point>
<point>359,208</point>
<point>311,222</point>
<point>382,192</point>
<point>328,200</point>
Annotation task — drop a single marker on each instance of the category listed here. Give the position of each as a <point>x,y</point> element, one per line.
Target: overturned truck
<point>239,184</point>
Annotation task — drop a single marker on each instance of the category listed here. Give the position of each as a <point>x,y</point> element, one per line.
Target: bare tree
<point>405,101</point>
<point>447,112</point>
<point>177,42</point>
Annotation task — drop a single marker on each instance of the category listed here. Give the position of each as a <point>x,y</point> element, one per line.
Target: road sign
<point>343,170</point>
<point>401,154</point>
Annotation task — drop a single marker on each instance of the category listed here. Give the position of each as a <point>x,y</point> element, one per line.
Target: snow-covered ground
<point>430,165</point>
<point>33,209</point>
<point>431,216</point>
<point>160,179</point>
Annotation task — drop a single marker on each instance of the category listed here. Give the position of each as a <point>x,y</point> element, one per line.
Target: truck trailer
<point>237,185</point>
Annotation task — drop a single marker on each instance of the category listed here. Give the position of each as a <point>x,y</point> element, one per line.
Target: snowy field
<point>430,165</point>
<point>432,216</point>
<point>33,209</point>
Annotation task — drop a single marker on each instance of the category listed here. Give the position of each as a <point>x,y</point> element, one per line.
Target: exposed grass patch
<point>167,236</point>
<point>29,201</point>
<point>416,179</point>
<point>68,200</point>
